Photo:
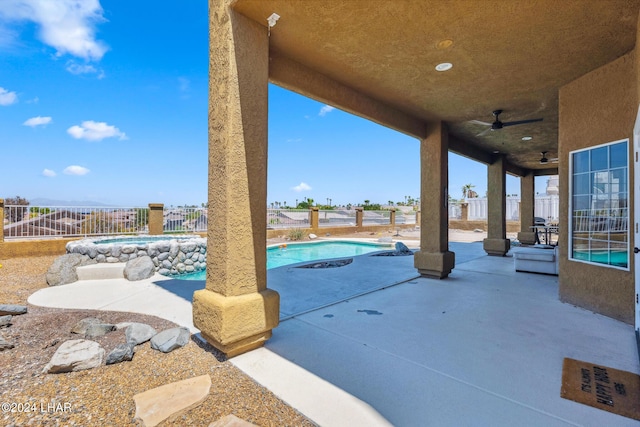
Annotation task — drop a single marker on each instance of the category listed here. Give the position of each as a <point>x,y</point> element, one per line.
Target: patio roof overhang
<point>377,60</point>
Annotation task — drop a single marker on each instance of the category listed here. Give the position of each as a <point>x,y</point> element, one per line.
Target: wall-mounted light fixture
<point>272,19</point>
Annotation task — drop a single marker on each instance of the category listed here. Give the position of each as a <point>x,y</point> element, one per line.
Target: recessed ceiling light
<point>496,152</point>
<point>445,66</point>
<point>527,138</point>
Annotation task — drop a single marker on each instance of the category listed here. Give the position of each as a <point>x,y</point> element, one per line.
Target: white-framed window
<point>599,205</point>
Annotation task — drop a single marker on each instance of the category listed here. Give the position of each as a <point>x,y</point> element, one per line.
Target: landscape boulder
<point>170,339</point>
<point>402,249</point>
<point>95,330</point>
<point>138,333</point>
<point>63,269</point>
<point>12,309</point>
<point>122,352</point>
<point>75,355</point>
<point>139,268</point>
<point>80,328</point>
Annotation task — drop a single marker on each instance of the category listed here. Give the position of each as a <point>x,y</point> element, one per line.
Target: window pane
<point>599,158</point>
<point>619,255</point>
<point>618,180</point>
<point>581,203</point>
<point>618,154</point>
<point>580,249</point>
<point>581,184</point>
<point>581,162</point>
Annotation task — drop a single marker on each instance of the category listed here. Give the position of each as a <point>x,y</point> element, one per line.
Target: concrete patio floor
<point>372,344</point>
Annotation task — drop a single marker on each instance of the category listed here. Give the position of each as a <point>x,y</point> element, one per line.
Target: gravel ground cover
<point>104,396</point>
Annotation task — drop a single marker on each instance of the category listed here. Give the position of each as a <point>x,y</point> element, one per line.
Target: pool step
<point>101,271</point>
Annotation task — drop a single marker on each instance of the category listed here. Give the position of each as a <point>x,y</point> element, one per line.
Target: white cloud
<point>37,121</point>
<point>325,109</point>
<point>75,170</point>
<point>48,172</point>
<point>95,131</point>
<point>75,68</point>
<point>301,187</point>
<point>33,101</point>
<point>7,98</point>
<point>69,26</point>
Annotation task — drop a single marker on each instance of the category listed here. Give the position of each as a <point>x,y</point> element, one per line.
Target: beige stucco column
<point>527,206</point>
<point>392,217</point>
<point>464,211</point>
<point>156,219</point>
<point>314,213</point>
<point>434,258</point>
<point>359,217</point>
<point>496,242</point>
<point>236,312</point>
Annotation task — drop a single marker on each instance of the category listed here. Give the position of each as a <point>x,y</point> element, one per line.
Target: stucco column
<point>156,219</point>
<point>434,258</point>
<point>496,242</point>
<point>236,312</point>
<point>392,217</point>
<point>315,217</point>
<point>1,220</point>
<point>527,206</point>
<point>464,211</point>
<point>359,217</point>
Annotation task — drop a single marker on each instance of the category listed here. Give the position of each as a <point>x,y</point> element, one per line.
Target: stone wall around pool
<point>178,255</point>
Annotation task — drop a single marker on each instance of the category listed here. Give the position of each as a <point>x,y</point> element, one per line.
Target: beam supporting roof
<point>296,77</point>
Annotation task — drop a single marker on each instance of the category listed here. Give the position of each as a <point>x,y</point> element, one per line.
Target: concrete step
<point>101,271</point>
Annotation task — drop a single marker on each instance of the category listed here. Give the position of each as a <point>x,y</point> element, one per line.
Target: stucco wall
<point>597,108</point>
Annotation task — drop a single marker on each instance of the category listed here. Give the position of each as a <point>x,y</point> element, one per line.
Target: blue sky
<point>107,101</point>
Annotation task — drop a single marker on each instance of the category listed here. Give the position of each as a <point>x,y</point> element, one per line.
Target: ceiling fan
<point>497,124</point>
<point>544,160</point>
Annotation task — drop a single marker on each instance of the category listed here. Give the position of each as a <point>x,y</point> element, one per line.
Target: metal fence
<point>376,217</point>
<point>184,220</point>
<point>23,222</point>
<point>288,218</point>
<point>336,218</point>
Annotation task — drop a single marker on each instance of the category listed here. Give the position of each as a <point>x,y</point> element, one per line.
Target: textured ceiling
<point>506,54</point>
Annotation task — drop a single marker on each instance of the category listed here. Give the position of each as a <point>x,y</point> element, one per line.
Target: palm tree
<point>466,189</point>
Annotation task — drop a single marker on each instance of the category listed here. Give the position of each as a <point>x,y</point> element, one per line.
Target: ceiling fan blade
<point>484,132</point>
<point>478,122</point>
<point>520,122</point>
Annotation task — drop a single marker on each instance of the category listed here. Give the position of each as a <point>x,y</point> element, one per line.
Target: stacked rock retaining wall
<point>179,255</point>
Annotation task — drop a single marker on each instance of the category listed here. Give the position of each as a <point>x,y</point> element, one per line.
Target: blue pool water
<point>617,258</point>
<point>300,252</point>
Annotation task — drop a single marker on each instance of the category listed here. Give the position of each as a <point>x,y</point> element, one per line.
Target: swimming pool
<point>293,253</point>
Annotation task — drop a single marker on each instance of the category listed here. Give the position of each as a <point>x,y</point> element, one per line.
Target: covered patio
<point>518,86</point>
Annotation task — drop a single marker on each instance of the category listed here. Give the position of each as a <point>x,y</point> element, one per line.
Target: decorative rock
<point>231,421</point>
<point>170,339</point>
<point>4,344</point>
<point>75,355</point>
<point>128,249</point>
<point>82,325</point>
<point>12,309</point>
<point>139,268</point>
<point>402,249</point>
<point>63,269</point>
<point>166,264</point>
<point>95,330</point>
<point>5,321</point>
<point>122,352</point>
<point>162,256</point>
<point>170,400</point>
<point>112,259</point>
<point>138,333</point>
<point>123,325</point>
<point>312,236</point>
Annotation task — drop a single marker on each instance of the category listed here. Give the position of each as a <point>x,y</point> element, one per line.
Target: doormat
<point>601,387</point>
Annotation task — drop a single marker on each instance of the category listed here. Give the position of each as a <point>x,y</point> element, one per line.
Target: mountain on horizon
<point>40,201</point>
